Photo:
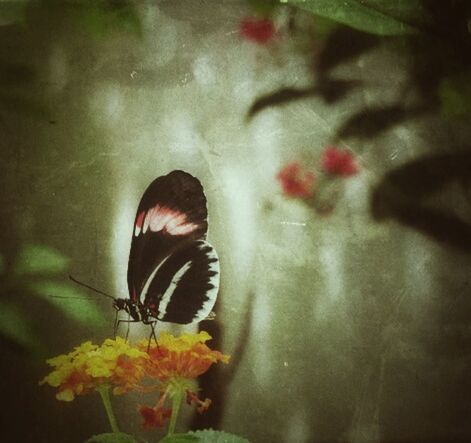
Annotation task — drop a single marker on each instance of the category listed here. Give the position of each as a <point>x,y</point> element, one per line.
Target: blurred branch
<point>401,194</point>
<point>330,90</point>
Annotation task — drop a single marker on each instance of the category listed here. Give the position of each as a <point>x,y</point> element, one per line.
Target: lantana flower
<point>115,364</point>
<point>176,362</point>
<point>339,162</point>
<point>257,30</point>
<point>296,181</point>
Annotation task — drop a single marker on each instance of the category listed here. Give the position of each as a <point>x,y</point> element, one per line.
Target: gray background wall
<point>355,330</point>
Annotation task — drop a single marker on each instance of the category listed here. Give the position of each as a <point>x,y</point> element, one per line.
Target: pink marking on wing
<point>139,220</point>
<point>147,220</point>
<point>175,221</point>
<point>183,229</point>
<point>161,217</point>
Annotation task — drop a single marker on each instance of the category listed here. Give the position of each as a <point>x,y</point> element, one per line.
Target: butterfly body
<point>173,272</point>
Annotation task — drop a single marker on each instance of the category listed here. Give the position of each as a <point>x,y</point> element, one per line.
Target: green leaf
<point>180,438</point>
<point>70,300</point>
<point>264,8</point>
<point>455,95</point>
<point>100,17</point>
<point>211,436</point>
<point>15,326</point>
<point>358,15</point>
<point>38,259</point>
<point>12,12</point>
<point>118,437</point>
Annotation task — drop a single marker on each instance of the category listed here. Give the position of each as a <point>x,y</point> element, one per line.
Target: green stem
<point>176,402</point>
<point>105,397</point>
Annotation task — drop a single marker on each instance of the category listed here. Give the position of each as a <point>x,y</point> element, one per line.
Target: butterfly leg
<point>129,327</point>
<point>115,325</point>
<point>152,334</point>
<point>118,322</point>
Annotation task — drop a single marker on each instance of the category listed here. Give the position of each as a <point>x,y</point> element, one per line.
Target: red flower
<point>154,417</point>
<point>338,162</point>
<point>191,397</point>
<point>257,30</point>
<point>296,181</point>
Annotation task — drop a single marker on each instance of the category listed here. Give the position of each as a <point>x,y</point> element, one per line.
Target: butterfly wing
<point>184,286</point>
<point>171,213</point>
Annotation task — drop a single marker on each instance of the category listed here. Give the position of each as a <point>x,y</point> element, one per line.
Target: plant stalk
<point>176,402</point>
<point>105,397</point>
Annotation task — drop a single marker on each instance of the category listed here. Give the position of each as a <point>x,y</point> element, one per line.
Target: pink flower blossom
<point>259,31</point>
<point>339,162</point>
<point>296,181</point>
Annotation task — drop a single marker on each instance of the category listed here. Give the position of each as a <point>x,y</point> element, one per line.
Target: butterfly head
<point>129,306</point>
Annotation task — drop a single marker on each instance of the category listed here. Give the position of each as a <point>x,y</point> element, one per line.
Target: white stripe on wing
<point>145,289</point>
<point>165,300</point>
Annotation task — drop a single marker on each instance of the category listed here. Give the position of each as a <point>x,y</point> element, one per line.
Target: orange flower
<point>185,357</point>
<point>176,362</point>
<point>191,397</point>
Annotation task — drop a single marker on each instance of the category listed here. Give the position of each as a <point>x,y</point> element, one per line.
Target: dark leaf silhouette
<point>280,97</point>
<point>370,122</point>
<point>401,195</point>
<point>330,90</point>
<point>342,45</point>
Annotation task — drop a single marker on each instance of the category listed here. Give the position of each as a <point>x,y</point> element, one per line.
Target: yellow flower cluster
<point>88,367</point>
<point>174,362</point>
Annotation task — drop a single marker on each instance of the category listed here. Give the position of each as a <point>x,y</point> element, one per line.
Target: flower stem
<point>176,402</point>
<point>105,397</point>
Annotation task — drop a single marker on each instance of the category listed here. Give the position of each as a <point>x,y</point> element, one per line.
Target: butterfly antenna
<point>70,298</point>
<point>91,288</point>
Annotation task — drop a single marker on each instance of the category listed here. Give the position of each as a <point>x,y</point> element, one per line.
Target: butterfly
<point>173,272</point>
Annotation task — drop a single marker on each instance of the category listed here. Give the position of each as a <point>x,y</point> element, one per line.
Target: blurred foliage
<point>97,18</point>
<point>434,37</point>
<point>404,194</point>
<point>100,17</point>
<point>12,12</point>
<point>38,271</point>
<point>440,55</point>
<point>180,438</point>
<point>112,437</point>
<point>205,436</point>
<point>263,8</point>
<point>455,94</point>
<point>17,329</point>
<point>376,17</point>
<point>69,299</point>
<point>35,259</point>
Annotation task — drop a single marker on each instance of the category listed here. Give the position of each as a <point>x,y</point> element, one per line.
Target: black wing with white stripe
<point>183,287</point>
<point>171,213</point>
